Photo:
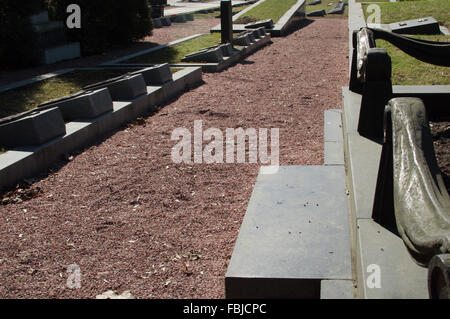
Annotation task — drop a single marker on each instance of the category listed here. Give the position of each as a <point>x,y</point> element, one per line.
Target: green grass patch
<point>270,9</point>
<point>407,70</point>
<point>406,10</point>
<point>2,150</point>
<point>30,96</point>
<point>216,13</point>
<point>373,0</point>
<point>324,6</point>
<point>175,53</point>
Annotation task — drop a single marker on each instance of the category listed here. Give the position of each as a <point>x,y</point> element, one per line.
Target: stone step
<point>295,234</point>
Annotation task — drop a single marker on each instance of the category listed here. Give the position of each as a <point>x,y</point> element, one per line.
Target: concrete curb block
<point>294,14</point>
<point>217,67</point>
<point>26,162</point>
<point>34,129</point>
<point>86,106</point>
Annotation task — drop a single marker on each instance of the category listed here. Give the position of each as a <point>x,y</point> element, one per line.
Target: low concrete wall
<point>26,162</point>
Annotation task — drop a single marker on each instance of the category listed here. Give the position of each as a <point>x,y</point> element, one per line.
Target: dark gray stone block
<point>317,13</point>
<point>227,49</point>
<point>89,105</point>
<point>268,24</point>
<point>180,18</point>
<point>189,17</point>
<point>166,21</point>
<point>242,40</point>
<point>295,233</point>
<point>316,2</point>
<point>338,8</point>
<point>156,75</point>
<point>252,37</point>
<point>128,88</point>
<point>212,55</point>
<point>157,23</point>
<point>427,25</point>
<point>262,31</point>
<point>33,130</point>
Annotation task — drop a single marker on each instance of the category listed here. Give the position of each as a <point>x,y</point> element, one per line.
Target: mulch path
<point>133,220</point>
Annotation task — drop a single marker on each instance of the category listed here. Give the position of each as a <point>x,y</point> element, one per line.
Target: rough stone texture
<point>35,129</point>
<point>131,218</point>
<point>337,289</point>
<point>213,55</point>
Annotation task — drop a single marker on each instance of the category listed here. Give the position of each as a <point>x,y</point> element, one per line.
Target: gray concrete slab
<point>400,277</point>
<point>332,126</point>
<point>333,153</point>
<point>350,113</point>
<point>364,159</point>
<point>156,75</point>
<point>337,289</point>
<point>294,234</point>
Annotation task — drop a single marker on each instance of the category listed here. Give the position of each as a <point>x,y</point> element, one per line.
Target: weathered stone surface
<point>422,204</point>
<point>242,40</point>
<point>227,49</point>
<point>316,2</point>
<point>88,105</point>
<point>35,129</point>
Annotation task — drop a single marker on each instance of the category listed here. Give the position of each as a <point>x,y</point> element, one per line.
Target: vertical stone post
<point>226,21</point>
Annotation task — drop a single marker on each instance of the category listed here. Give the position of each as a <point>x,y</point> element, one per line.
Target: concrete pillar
<point>226,21</point>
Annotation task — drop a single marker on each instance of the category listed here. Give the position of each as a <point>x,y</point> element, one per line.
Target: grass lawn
<point>216,13</point>
<point>324,6</point>
<point>270,9</point>
<point>30,96</point>
<point>407,70</point>
<point>174,54</point>
<point>407,10</point>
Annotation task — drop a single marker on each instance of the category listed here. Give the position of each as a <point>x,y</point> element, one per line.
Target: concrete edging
<point>282,24</point>
<point>215,67</point>
<point>25,162</point>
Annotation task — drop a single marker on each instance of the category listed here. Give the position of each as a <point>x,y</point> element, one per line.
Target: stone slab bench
<point>295,234</point>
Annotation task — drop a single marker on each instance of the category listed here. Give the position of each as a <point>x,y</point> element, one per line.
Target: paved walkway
<point>133,220</point>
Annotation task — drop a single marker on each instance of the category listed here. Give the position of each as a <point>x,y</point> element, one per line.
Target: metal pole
<point>226,21</point>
